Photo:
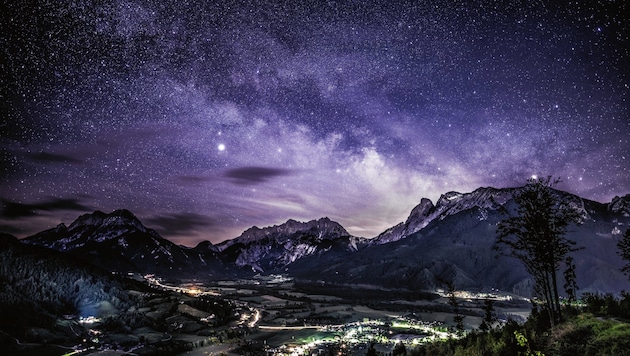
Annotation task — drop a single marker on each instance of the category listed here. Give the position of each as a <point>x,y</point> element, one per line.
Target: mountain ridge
<point>448,203</point>
<point>456,243</point>
<point>465,223</point>
<point>324,226</point>
<point>119,242</point>
<point>280,245</point>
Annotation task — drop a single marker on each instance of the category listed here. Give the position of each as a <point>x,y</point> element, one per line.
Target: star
<point>327,110</point>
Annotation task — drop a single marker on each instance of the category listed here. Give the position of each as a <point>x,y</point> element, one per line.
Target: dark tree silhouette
<point>488,316</point>
<point>458,319</point>
<point>624,251</point>
<point>371,350</point>
<point>535,235</point>
<point>570,279</point>
<point>399,350</point>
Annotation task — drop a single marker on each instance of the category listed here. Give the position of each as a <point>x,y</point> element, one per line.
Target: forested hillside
<point>38,285</point>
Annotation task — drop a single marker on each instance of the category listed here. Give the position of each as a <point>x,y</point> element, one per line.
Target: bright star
<point>221,147</point>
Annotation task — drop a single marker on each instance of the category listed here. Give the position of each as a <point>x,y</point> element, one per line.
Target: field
<point>290,317</point>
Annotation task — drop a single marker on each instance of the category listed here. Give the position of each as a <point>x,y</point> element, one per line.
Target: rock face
<point>275,247</point>
<point>620,205</point>
<point>455,239</point>
<point>449,204</point>
<point>97,227</point>
<point>120,242</point>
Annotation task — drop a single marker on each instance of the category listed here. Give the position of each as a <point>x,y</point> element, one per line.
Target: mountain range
<point>451,240</point>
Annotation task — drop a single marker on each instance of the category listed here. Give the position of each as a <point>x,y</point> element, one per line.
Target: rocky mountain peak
<point>447,198</point>
<point>448,204</point>
<point>322,227</point>
<point>92,228</point>
<point>279,245</point>
<point>117,219</point>
<point>61,228</point>
<point>485,197</point>
<point>205,246</point>
<point>421,210</point>
<point>620,205</point>
<point>95,218</point>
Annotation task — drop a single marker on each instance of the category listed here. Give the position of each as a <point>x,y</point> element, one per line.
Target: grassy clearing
<point>589,335</point>
<point>186,309</point>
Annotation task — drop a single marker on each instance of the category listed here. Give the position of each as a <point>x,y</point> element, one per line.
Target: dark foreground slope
<point>52,304</point>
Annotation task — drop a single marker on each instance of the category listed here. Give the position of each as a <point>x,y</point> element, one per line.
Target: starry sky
<point>205,118</point>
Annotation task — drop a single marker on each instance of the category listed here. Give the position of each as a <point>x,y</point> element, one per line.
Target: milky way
<point>205,119</point>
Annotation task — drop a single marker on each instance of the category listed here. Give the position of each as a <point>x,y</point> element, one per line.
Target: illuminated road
<point>191,291</point>
<point>265,327</point>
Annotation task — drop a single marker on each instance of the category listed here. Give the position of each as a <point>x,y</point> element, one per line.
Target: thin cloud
<point>19,210</point>
<point>180,224</point>
<point>255,175</point>
<point>9,229</point>
<point>47,157</point>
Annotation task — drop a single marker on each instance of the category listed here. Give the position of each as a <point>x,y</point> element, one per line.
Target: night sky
<point>207,117</point>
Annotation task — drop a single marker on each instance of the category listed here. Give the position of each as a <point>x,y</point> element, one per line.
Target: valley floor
<point>290,317</point>
<point>266,314</point>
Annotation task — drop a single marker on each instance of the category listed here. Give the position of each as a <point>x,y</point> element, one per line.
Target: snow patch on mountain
<point>620,205</point>
<point>280,245</point>
<point>324,228</point>
<point>484,199</point>
<point>115,240</point>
